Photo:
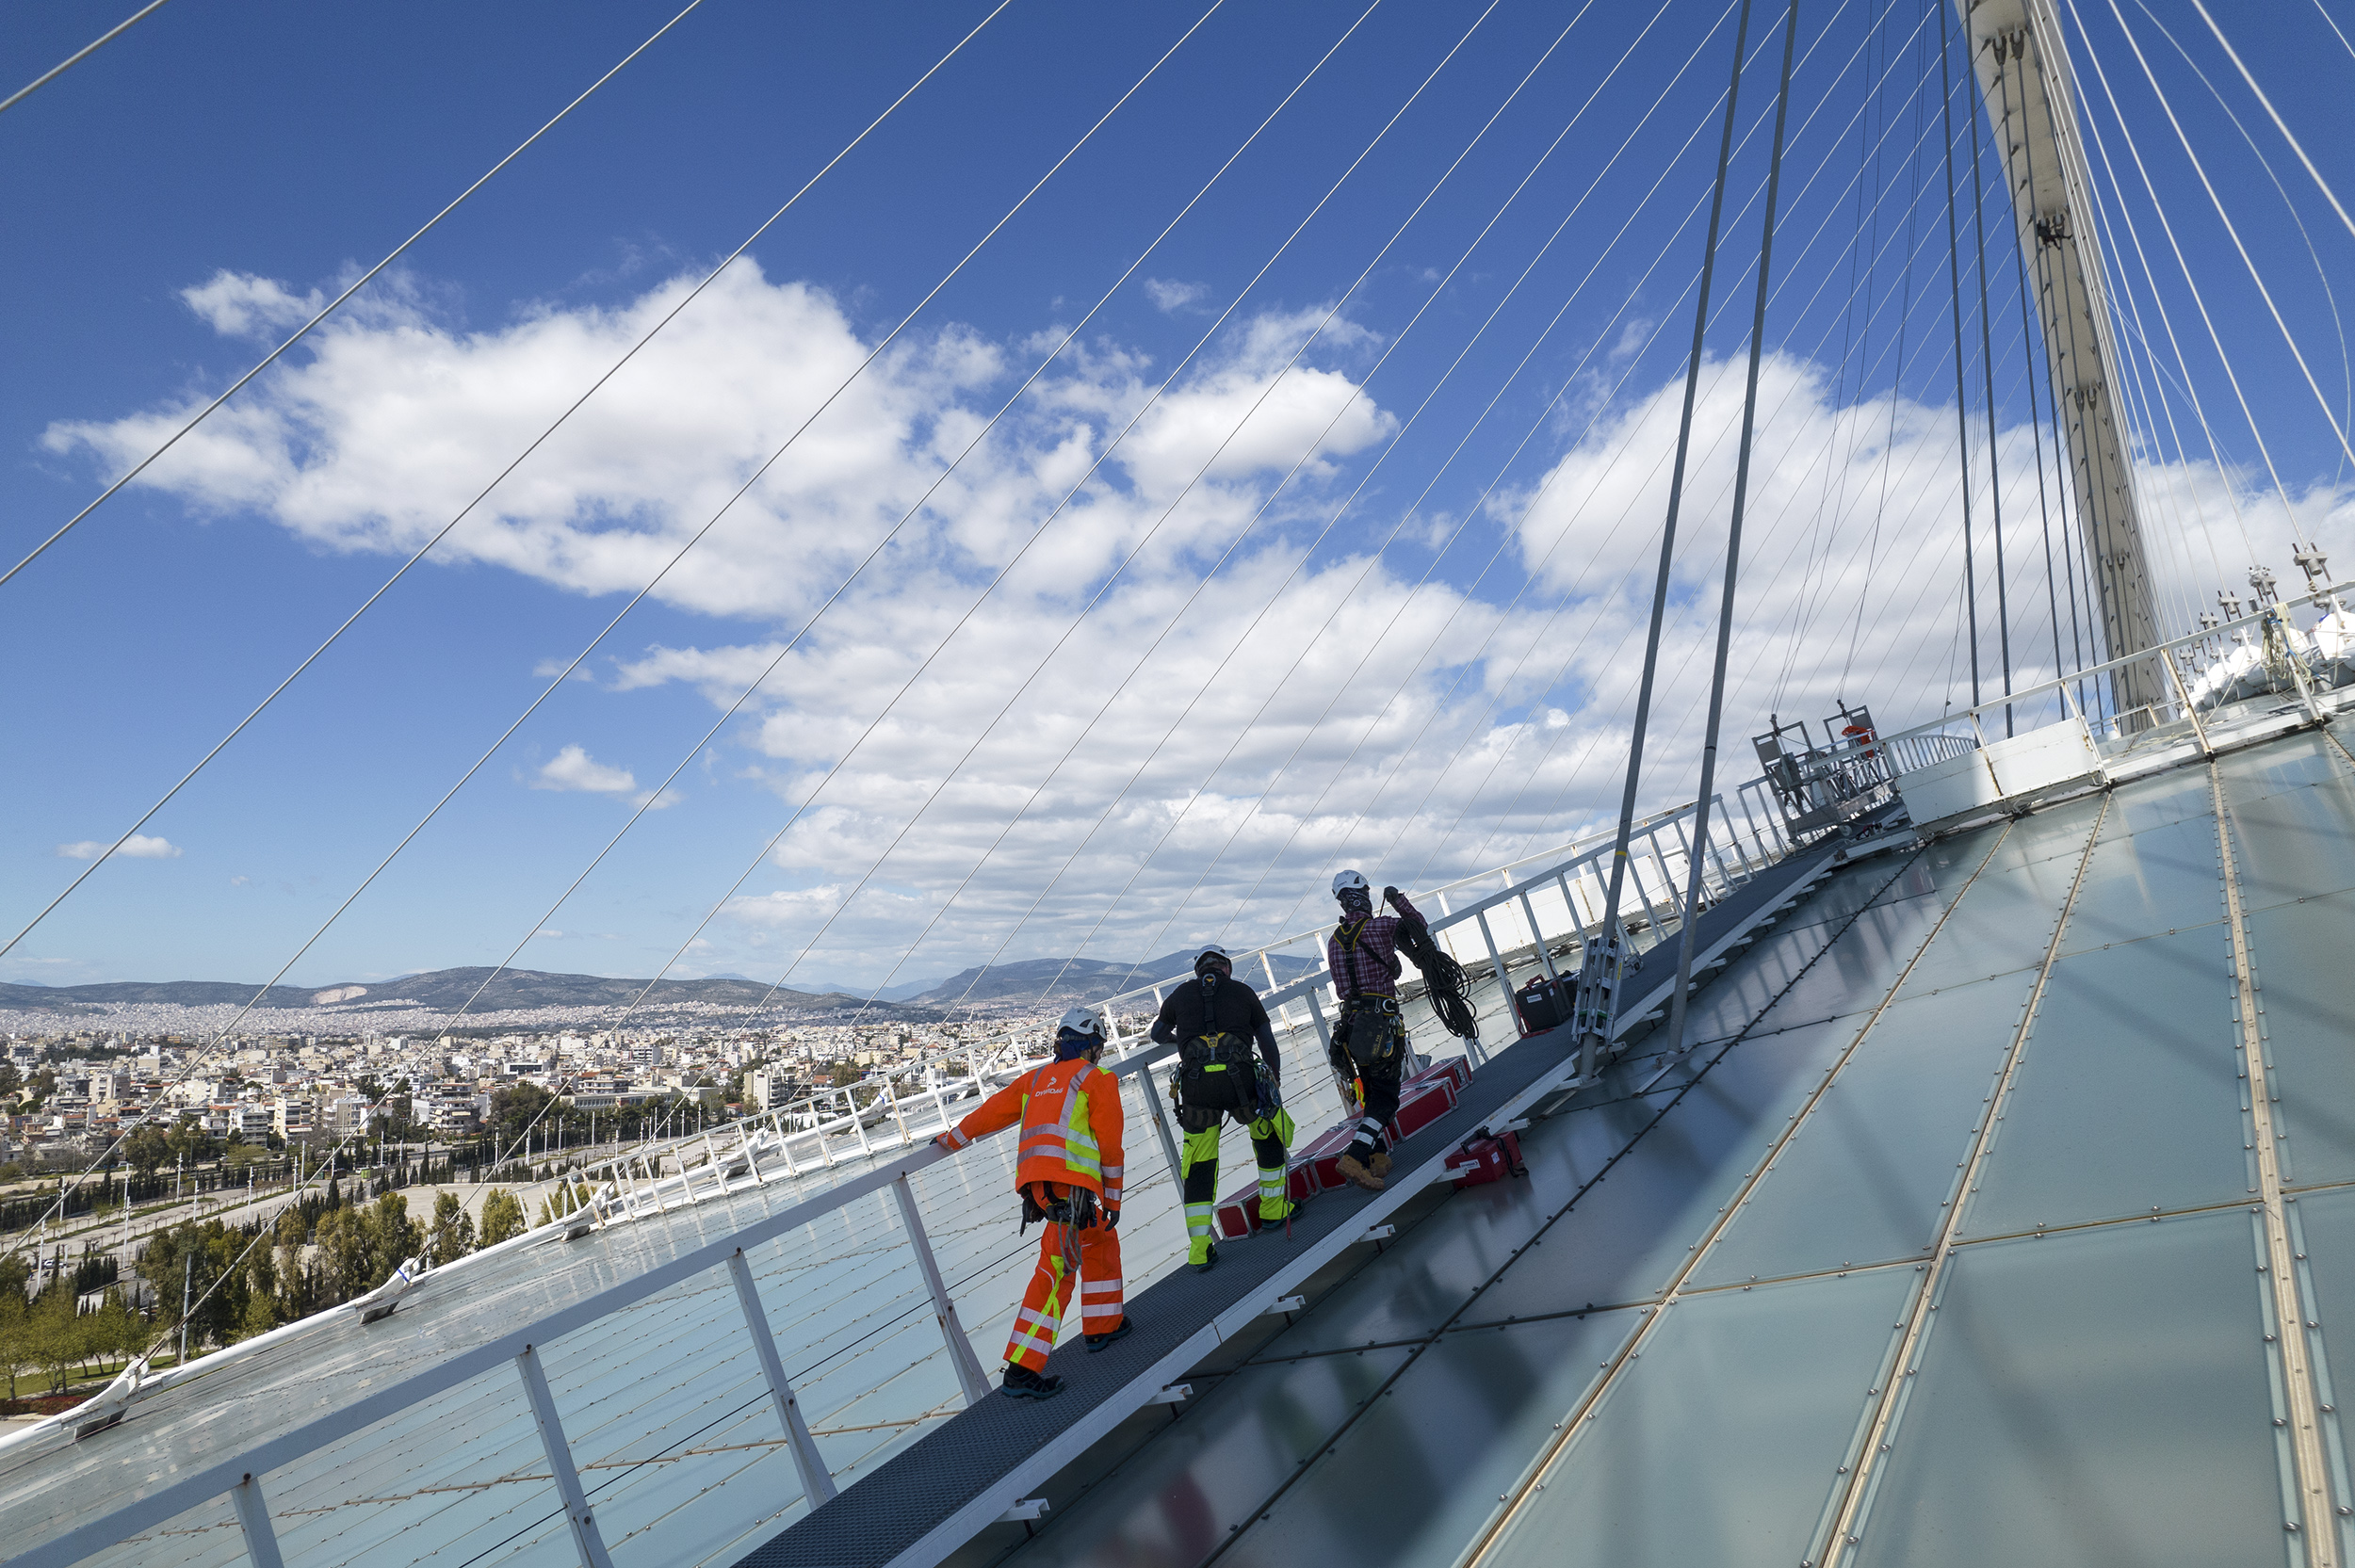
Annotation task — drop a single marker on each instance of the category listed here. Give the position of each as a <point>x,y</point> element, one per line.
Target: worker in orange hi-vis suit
<point>1068,1173</point>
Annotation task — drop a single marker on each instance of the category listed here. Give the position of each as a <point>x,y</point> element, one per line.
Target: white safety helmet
<point>1348,880</point>
<point>1213,951</point>
<point>1083,1021</point>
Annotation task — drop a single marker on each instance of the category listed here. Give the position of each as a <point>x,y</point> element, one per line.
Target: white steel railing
<point>2223,674</point>
<point>761,1169</point>
<point>897,1107</point>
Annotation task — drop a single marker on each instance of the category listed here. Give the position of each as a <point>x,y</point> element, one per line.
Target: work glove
<point>940,1141</point>
<point>1390,896</point>
<point>1112,1218</point>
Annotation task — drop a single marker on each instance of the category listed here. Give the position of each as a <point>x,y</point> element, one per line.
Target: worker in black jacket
<point>1214,1022</point>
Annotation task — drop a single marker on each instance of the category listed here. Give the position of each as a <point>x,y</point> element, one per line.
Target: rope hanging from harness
<point>1443,976</point>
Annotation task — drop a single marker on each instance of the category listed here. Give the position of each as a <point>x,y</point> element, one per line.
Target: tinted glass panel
<point>2099,1398</point>
<point>2306,989</point>
<point>1461,1426</point>
<point>1719,1443</point>
<point>2126,1098</point>
<point>1868,1176</point>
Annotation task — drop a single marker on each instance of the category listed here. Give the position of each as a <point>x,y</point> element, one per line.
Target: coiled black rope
<point>1443,976</point>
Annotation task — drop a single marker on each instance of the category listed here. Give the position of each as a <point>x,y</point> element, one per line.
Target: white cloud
<point>1429,731</point>
<point>1170,296</point>
<point>574,768</point>
<point>137,846</point>
<point>237,304</point>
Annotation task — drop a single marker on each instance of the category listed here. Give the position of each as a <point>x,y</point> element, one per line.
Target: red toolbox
<point>1544,1003</point>
<point>1456,1070</point>
<point>1431,1096</point>
<point>1238,1213</point>
<point>1485,1159</point>
<point>1320,1162</point>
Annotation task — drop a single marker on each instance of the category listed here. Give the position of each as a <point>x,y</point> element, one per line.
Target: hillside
<point>439,989</point>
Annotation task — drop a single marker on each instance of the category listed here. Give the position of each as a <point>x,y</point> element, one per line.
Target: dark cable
<point>1696,857</point>
<point>1443,977</point>
<point>1676,497</point>
<point>1987,366</point>
<point>1954,281</point>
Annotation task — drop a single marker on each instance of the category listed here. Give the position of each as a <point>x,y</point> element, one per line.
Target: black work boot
<point>1023,1383</point>
<point>1098,1341</point>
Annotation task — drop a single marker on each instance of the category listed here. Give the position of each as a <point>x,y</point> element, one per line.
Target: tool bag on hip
<point>1374,1030</point>
<point>1217,1072</point>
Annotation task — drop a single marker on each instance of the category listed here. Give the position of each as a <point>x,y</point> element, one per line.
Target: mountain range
<point>438,990</point>
<point>1046,980</point>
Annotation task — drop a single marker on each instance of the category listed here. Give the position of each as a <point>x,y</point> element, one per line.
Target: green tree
<point>502,1217</point>
<point>451,1237</point>
<point>515,1107</point>
<point>147,1148</point>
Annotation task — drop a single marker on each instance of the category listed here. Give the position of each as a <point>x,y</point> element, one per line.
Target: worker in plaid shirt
<point>1370,1042</point>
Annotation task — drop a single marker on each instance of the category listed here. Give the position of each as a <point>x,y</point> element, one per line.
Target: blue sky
<point>1414,653</point>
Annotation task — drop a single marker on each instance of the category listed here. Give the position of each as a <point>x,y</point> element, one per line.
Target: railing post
<point>817,1481</point>
<point>1160,1126</point>
<point>1570,901</point>
<point>261,1542</point>
<point>584,1525</point>
<point>2199,731</point>
<point>1545,955</point>
<point>960,1355</point>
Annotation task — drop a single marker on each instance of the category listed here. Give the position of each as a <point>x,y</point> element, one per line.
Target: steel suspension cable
<point>1697,853</point>
<point>1198,346</point>
<point>2027,345</point>
<point>1987,368</point>
<point>1676,495</point>
<point>13,99</point>
<point>1347,295</point>
<point>2224,217</point>
<point>346,624</point>
<point>1300,565</point>
<point>970,447</point>
<point>555,685</point>
<point>1406,516</point>
<point>355,286</point>
<point>1954,279</point>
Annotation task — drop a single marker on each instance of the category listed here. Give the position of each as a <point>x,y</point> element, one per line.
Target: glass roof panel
<point>1462,1423</point>
<point>1868,1177</point>
<point>2126,1098</point>
<point>1719,1443</point>
<point>2096,1398</point>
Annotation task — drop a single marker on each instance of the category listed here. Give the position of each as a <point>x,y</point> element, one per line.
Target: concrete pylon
<point>2022,65</point>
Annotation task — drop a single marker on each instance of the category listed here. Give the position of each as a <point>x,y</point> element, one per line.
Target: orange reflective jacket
<point>1071,1125</point>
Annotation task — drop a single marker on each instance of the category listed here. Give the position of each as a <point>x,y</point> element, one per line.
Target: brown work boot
<point>1357,1174</point>
<point>1380,1163</point>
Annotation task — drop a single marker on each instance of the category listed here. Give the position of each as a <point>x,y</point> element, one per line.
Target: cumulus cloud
<point>137,846</point>
<point>237,304</point>
<point>1171,296</point>
<point>574,768</point>
<point>1226,749</point>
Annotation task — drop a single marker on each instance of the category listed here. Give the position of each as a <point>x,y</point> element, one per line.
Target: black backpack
<point>1216,1070</point>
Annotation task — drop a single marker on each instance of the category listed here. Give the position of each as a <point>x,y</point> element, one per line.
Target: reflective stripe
<point>1111,1170</point>
<point>956,1139</point>
<point>1099,1286</point>
<point>1043,1347</point>
<point>1198,1219</point>
<point>1042,1319</point>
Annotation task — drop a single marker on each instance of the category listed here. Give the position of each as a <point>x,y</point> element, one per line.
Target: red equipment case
<point>1320,1162</point>
<point>1429,1097</point>
<point>1483,1159</point>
